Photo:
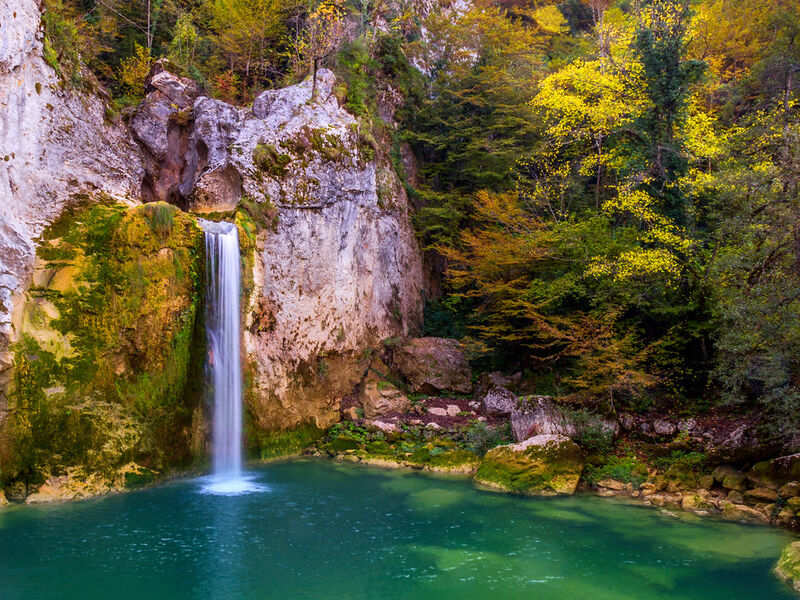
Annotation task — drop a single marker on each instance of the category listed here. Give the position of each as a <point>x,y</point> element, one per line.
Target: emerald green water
<point>323,530</point>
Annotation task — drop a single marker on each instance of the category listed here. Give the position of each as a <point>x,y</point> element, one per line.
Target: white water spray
<point>223,288</point>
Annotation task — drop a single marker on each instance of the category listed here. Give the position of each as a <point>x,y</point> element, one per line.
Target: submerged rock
<point>432,365</point>
<point>788,567</point>
<point>543,465</point>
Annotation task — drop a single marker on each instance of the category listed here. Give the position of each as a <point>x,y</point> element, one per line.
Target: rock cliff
<point>338,268</point>
<point>56,146</point>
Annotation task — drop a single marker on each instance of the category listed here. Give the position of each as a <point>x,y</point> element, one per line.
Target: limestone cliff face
<point>55,146</point>
<point>338,270</point>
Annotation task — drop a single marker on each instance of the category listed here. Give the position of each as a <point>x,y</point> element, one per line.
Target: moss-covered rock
<point>272,445</point>
<point>775,473</point>
<point>107,345</point>
<point>788,567</point>
<point>544,465</point>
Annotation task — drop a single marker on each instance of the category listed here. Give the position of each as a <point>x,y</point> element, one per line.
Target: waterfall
<point>223,362</point>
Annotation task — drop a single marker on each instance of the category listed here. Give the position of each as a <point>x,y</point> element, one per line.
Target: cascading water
<point>223,288</point>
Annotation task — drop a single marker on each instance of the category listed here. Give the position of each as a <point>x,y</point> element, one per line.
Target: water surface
<point>322,530</point>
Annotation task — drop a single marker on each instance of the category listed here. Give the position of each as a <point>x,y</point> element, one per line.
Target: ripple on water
<point>231,486</point>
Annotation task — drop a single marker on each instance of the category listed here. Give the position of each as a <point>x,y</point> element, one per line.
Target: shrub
<point>134,70</point>
<point>626,469</point>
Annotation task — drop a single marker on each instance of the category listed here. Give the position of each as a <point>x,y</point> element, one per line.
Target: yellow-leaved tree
<point>318,38</point>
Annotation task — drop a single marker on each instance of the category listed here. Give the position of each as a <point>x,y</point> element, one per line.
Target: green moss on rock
<point>788,567</point>
<point>271,445</point>
<point>542,465</point>
<point>101,374</point>
<point>268,160</point>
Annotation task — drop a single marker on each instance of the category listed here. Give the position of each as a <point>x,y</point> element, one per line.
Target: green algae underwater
<point>319,529</point>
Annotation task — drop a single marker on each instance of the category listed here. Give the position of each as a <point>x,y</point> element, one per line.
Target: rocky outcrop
<point>56,145</point>
<point>775,473</point>
<point>543,465</point>
<point>160,125</point>
<point>432,365</point>
<point>335,266</point>
<point>539,415</point>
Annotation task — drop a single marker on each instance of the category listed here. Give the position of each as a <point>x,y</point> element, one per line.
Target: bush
<point>134,71</point>
<point>591,433</point>
<point>626,469</point>
<point>480,437</point>
<point>61,42</point>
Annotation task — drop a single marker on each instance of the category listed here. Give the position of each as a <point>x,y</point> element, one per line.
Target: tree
<point>320,37</point>
<point>249,35</point>
<point>660,44</point>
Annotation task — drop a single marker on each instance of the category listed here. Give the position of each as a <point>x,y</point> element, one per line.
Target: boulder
<point>380,398</point>
<point>3,499</point>
<point>539,415</point>
<point>351,413</point>
<point>776,472</point>
<point>790,490</point>
<point>757,495</point>
<point>663,427</point>
<point>543,465</point>
<point>498,401</point>
<point>793,504</point>
<point>735,497</point>
<point>785,517</point>
<point>433,365</point>
<point>696,502</point>
<point>722,471</point>
<point>735,481</point>
<point>627,421</point>
<point>706,482</point>
<point>742,513</point>
<point>788,567</point>
<point>612,484</point>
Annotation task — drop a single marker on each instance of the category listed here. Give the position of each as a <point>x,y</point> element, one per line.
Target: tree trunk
<point>315,63</point>
<point>149,31</point>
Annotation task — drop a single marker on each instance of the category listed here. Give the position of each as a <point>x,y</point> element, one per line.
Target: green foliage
<point>62,42</point>
<point>627,469</point>
<point>277,444</point>
<point>480,437</point>
<point>592,435</point>
<point>679,461</point>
